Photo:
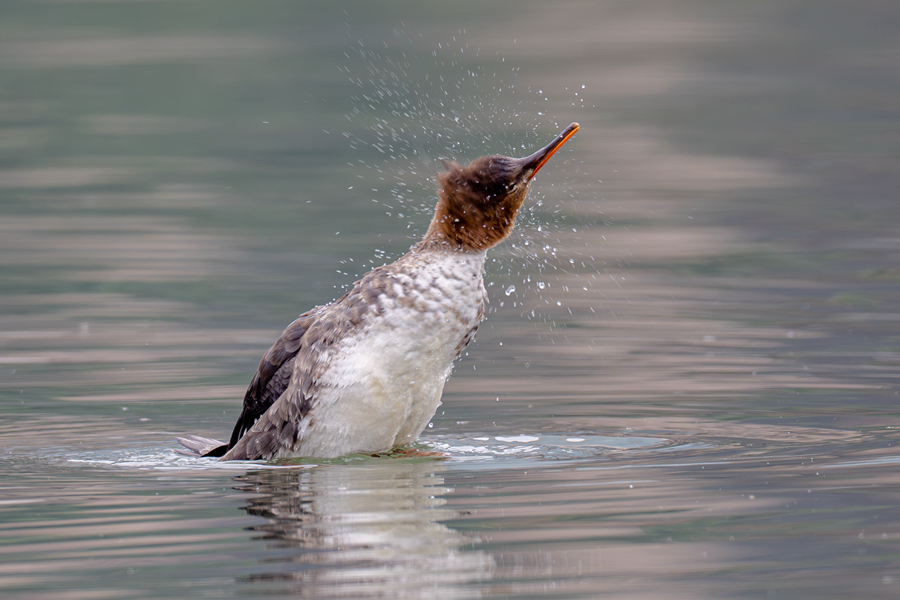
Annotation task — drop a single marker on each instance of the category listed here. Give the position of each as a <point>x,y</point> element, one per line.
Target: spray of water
<point>414,108</point>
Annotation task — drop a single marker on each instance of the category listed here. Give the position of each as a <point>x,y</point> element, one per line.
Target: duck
<point>365,373</point>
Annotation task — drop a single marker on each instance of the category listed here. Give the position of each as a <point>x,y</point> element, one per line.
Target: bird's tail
<point>197,446</point>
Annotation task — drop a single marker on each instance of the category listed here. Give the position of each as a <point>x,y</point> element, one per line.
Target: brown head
<point>478,203</point>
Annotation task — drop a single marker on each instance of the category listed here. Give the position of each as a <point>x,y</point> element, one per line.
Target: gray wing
<point>272,375</point>
<point>268,384</point>
<point>273,420</point>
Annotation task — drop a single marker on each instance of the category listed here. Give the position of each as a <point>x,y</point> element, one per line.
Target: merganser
<point>365,373</point>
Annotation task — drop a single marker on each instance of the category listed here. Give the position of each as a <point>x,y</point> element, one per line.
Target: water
<point>687,383</point>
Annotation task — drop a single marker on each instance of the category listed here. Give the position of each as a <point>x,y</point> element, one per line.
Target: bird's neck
<point>466,228</point>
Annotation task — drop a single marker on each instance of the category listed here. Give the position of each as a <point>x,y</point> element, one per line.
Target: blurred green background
<point>709,268</point>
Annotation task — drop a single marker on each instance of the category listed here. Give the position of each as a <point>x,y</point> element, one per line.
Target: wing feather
<point>272,419</point>
<point>272,376</point>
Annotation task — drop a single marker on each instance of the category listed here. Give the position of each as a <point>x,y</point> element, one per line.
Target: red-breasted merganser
<point>365,373</point>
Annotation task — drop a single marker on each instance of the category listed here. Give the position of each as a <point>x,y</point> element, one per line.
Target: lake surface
<point>687,385</point>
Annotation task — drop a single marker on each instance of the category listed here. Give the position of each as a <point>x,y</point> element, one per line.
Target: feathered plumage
<point>366,372</point>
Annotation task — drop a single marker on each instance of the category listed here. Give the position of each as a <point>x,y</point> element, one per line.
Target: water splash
<point>418,103</point>
<point>419,107</point>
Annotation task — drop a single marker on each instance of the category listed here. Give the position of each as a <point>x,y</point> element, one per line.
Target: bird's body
<point>378,365</point>
<point>365,373</point>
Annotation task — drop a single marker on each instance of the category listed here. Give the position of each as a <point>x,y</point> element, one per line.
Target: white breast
<point>383,383</point>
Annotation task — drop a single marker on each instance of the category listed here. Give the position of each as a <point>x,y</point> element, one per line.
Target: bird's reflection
<point>364,530</point>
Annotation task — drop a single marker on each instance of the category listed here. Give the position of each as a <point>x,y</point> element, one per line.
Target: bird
<point>365,373</point>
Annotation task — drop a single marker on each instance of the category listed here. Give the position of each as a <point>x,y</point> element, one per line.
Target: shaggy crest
<point>478,203</point>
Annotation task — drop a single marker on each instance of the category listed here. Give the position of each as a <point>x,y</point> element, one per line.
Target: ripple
<point>542,446</point>
<point>162,459</point>
<point>550,447</point>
